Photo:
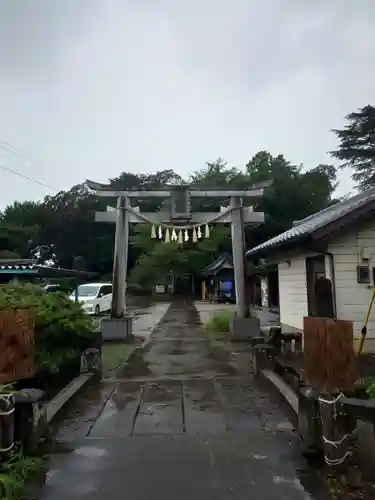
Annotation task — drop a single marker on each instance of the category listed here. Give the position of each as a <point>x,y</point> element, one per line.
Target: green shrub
<point>219,322</point>
<point>370,389</point>
<point>62,330</point>
<point>17,472</point>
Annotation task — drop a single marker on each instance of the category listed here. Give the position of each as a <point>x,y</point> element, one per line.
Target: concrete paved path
<point>145,322</point>
<point>182,420</point>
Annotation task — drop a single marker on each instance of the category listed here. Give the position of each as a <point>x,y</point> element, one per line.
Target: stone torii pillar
<point>180,215</point>
<point>238,252</point>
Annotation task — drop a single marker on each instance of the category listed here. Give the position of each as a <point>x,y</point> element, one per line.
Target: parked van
<point>95,298</point>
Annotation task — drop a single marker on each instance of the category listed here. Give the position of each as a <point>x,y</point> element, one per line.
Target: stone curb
<point>283,388</point>
<point>148,339</point>
<point>56,404</point>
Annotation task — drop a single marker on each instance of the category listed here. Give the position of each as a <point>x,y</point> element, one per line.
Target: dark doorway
<point>315,268</point>
<point>184,285</point>
<point>273,290</point>
<point>319,288</point>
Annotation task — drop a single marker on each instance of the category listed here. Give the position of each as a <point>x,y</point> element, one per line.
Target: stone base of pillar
<point>244,328</point>
<point>117,329</point>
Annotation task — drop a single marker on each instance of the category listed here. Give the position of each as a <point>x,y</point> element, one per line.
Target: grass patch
<point>19,473</point>
<point>114,355</point>
<point>369,384</point>
<point>219,323</point>
<point>217,329</point>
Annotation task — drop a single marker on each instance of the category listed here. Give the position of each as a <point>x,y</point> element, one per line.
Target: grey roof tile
<point>216,266</point>
<point>316,221</point>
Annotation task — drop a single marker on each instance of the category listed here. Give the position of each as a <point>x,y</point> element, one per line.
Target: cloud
<point>89,88</point>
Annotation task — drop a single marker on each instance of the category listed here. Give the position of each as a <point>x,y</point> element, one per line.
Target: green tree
<point>158,258</point>
<point>357,146</point>
<point>294,194</point>
<point>19,223</point>
<point>66,220</point>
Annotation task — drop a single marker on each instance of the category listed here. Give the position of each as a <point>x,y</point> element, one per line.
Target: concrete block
<point>309,424</point>
<point>243,329</point>
<point>91,360</point>
<point>61,399</point>
<point>262,356</point>
<point>30,418</point>
<point>366,443</point>
<point>284,389</point>
<point>117,329</point>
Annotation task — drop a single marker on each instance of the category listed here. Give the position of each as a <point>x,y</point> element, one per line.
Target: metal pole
<point>120,258</point>
<point>238,250</point>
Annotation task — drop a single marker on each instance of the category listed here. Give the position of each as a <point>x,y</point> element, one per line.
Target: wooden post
<point>335,440</point>
<point>6,424</point>
<point>238,248</point>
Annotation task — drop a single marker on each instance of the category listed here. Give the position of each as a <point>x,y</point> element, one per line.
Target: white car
<point>95,298</point>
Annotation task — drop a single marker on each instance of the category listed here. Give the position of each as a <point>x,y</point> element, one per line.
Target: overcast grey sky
<point>89,88</point>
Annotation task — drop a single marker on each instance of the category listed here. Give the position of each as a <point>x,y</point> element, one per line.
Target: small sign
<point>180,203</point>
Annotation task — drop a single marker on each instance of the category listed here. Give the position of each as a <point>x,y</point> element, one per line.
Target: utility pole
<point>179,219</point>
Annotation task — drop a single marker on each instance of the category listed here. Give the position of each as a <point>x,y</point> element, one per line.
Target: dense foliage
<point>357,146</point>
<point>62,330</point>
<point>18,473</point>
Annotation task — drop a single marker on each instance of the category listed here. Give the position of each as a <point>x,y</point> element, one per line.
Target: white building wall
<point>352,298</point>
<point>293,292</point>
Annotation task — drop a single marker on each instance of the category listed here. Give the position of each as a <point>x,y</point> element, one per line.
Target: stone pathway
<point>180,420</point>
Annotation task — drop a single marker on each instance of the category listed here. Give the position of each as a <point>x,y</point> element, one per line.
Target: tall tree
<point>357,146</point>
<point>294,194</point>
<point>19,223</point>
<point>158,258</point>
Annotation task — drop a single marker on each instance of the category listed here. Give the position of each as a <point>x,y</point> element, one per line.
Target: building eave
<point>315,238</point>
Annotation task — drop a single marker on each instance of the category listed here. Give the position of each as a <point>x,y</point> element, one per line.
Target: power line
<point>7,169</point>
<point>12,149</point>
<point>16,151</point>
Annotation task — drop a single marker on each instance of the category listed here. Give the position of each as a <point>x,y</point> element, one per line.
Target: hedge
<point>62,329</point>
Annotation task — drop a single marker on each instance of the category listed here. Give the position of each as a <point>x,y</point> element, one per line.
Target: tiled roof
<point>316,221</point>
<point>17,265</point>
<point>16,262</point>
<point>216,266</point>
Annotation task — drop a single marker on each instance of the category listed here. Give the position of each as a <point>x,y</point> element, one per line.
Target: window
<point>87,290</point>
<point>363,273</point>
<point>106,290</point>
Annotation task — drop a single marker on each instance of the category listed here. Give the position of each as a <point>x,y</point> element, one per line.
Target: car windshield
<point>87,290</point>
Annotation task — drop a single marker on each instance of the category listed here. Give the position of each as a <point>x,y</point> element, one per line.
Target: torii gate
<point>176,224</point>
